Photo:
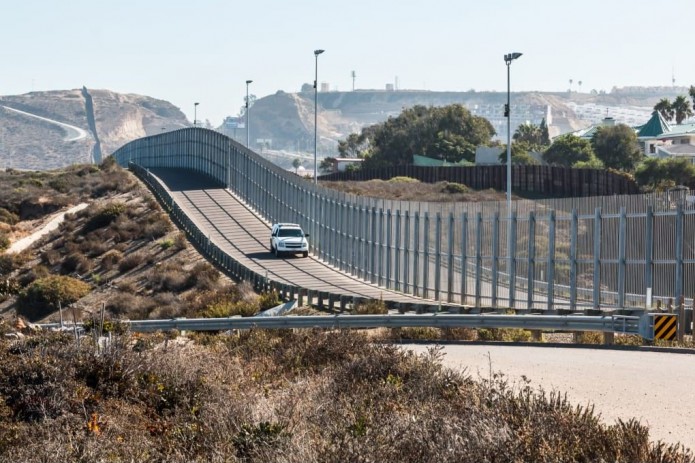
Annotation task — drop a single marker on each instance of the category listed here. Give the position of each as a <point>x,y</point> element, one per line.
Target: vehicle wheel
<point>271,248</point>
<point>305,254</point>
<point>277,253</point>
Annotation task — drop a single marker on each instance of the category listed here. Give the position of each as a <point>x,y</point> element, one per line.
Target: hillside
<point>31,137</point>
<point>46,130</point>
<point>286,119</point>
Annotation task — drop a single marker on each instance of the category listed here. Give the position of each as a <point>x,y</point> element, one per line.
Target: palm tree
<point>681,107</point>
<point>530,133</point>
<point>665,108</point>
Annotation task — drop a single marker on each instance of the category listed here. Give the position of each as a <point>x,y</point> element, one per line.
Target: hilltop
<point>48,130</point>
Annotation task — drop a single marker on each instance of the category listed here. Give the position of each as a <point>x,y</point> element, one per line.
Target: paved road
<point>74,133</point>
<point>246,237</point>
<point>656,388</point>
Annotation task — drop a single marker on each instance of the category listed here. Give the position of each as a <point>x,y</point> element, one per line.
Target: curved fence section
<point>572,253</point>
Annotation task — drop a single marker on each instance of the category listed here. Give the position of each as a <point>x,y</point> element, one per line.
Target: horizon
<point>185,53</point>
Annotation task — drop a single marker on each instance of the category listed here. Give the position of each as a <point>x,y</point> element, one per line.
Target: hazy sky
<point>205,50</point>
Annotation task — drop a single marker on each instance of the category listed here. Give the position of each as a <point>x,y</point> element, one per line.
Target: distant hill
<point>287,119</point>
<point>91,122</point>
<point>47,130</point>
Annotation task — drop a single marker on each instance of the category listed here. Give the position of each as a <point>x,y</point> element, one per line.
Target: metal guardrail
<point>622,324</point>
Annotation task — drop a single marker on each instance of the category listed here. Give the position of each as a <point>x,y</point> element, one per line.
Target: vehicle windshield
<point>290,232</point>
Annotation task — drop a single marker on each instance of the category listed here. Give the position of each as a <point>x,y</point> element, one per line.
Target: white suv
<point>288,238</point>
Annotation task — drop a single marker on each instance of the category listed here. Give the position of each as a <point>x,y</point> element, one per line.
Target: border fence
<point>600,252</point>
<point>550,181</point>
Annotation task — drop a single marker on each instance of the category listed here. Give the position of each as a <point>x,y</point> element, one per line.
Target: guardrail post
<point>531,275</point>
<point>450,261</point>
<point>574,226</point>
<point>649,250</point>
<point>681,318</point>
<point>551,259</point>
<point>416,253</point>
<point>622,230</point>
<point>679,252</point>
<point>437,255</point>
<point>397,257</point>
<point>372,256</point>
<point>300,297</point>
<point>495,256</point>
<point>343,302</point>
<point>406,254</point>
<point>511,271</point>
<point>478,258</point>
<point>389,232</point>
<point>597,258</point>
<point>426,257</point>
<point>464,257</point>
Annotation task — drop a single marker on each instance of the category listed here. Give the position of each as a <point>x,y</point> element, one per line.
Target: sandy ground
<point>53,223</point>
<point>656,388</point>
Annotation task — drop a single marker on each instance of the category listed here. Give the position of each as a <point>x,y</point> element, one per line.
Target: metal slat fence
<point>573,253</point>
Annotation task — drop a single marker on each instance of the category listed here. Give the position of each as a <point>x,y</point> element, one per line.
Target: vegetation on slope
<point>284,396</point>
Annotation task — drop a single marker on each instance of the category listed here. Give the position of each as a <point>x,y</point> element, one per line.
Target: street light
<point>247,112</point>
<point>507,112</point>
<point>316,102</point>
<point>195,113</point>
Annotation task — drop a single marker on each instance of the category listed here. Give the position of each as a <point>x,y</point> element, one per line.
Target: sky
<point>205,50</point>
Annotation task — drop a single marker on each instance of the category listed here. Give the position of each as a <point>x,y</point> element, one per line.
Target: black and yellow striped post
<point>665,327</point>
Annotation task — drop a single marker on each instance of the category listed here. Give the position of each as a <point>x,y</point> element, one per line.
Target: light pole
<point>247,112</point>
<point>508,113</point>
<point>195,113</point>
<point>316,103</point>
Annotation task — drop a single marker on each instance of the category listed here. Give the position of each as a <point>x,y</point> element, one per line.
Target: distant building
<point>341,164</point>
<point>660,139</point>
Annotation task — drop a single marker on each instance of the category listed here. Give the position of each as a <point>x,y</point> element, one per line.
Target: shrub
<point>169,278</point>
<point>31,275</point>
<point>372,307</point>
<point>455,188</point>
<point>4,241</point>
<point>180,241</point>
<point>268,300</point>
<point>157,228</point>
<point>6,264</point>
<point>131,261</point>
<point>202,276</point>
<point>419,333</point>
<point>166,244</point>
<point>590,337</point>
<point>76,262</point>
<point>44,295</point>
<point>403,180</point>
<point>504,334</point>
<point>105,216</point>
<point>110,259</point>
<point>8,217</point>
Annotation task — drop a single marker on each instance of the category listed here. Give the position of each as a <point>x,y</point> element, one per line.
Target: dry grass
<point>406,190</point>
<point>284,396</point>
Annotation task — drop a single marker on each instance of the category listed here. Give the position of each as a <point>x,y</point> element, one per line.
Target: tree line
<point>452,133</point>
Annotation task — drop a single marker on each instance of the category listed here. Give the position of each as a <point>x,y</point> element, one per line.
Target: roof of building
<point>655,126</point>
<point>679,149</point>
<point>678,131</point>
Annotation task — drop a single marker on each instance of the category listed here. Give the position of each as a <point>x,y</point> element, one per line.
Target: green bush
<point>6,264</point>
<point>504,334</point>
<point>131,261</point>
<point>4,241</point>
<point>268,300</point>
<point>43,295</point>
<point>8,217</point>
<point>371,307</point>
<point>455,188</point>
<point>105,216</point>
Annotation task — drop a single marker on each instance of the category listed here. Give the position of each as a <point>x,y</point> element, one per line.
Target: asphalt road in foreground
<point>657,388</point>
